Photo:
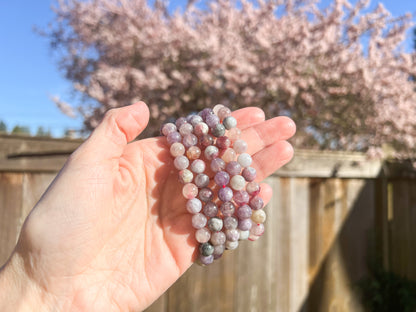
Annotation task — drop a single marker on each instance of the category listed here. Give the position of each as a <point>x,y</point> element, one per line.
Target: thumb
<point>118,127</point>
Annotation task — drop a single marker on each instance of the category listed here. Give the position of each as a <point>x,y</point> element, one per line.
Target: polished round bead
<point>257,229</point>
<point>201,180</point>
<point>244,224</point>
<point>237,182</point>
<point>206,194</point>
<point>253,188</point>
<point>227,209</point>
<point>177,149</point>
<point>222,178</point>
<point>229,245</point>
<point>218,130</point>
<point>223,142</point>
<point>206,140</point>
<point>234,134</point>
<point>198,166</point>
<point>168,128</point>
<point>195,119</point>
<point>189,140</point>
<point>210,209</point>
<point>190,190</point>
<point>205,112</point>
<point>212,120</point>
<point>211,152</point>
<point>241,197</point>
<point>217,108</point>
<point>228,155</point>
<point>199,221</point>
<point>244,160</point>
<point>256,203</point>
<point>244,234</point>
<point>215,224</point>
<point>229,122</point>
<point>244,212</point>
<point>181,162</point>
<point>218,238</point>
<point>193,205</point>
<point>240,146</point>
<point>232,235</point>
<point>224,113</point>
<point>174,137</point>
<point>185,176</point>
<point>225,194</point>
<point>194,152</point>
<point>217,164</point>
<point>258,216</point>
<point>185,129</point>
<point>218,251</point>
<point>233,168</point>
<point>249,173</point>
<point>203,235</point>
<point>206,260</point>
<point>201,129</point>
<point>253,237</point>
<point>206,249</point>
<point>230,222</point>
<point>180,121</point>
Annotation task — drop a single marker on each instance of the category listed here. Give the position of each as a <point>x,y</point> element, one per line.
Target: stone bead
<point>180,121</point>
<point>233,168</point>
<point>185,176</point>
<point>206,260</point>
<point>193,205</point>
<point>168,128</point>
<point>174,137</point>
<point>186,129</point>
<point>237,182</point>
<point>234,134</point>
<point>211,152</point>
<point>253,188</point>
<point>217,108</point>
<point>241,197</point>
<point>258,216</point>
<point>225,194</point>
<point>215,224</point>
<point>218,251</point>
<point>244,234</point>
<point>229,122</point>
<point>232,235</point>
<point>206,140</point>
<point>227,209</point>
<point>206,194</point>
<point>201,129</point>
<point>240,146</point>
<point>189,140</point>
<point>205,112</point>
<point>203,235</point>
<point>231,223</point>
<point>189,190</point>
<point>231,245</point>
<point>249,173</point>
<point>244,160</point>
<point>218,238</point>
<point>218,130</point>
<point>198,166</point>
<point>194,152</point>
<point>217,164</point>
<point>195,119</point>
<point>257,229</point>
<point>177,149</point>
<point>228,155</point>
<point>256,203</point>
<point>222,178</point>
<point>212,120</point>
<point>223,142</point>
<point>253,237</point>
<point>244,212</point>
<point>181,162</point>
<point>210,209</point>
<point>206,249</point>
<point>199,221</point>
<point>224,113</point>
<point>244,224</point>
<point>201,180</point>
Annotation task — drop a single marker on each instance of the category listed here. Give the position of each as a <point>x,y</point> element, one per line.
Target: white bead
<point>181,162</point>
<point>217,108</point>
<point>244,235</point>
<point>244,160</point>
<point>258,216</point>
<point>198,166</point>
<point>240,146</point>
<point>231,245</point>
<point>237,182</point>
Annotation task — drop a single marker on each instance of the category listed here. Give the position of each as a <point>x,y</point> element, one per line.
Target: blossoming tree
<point>341,73</point>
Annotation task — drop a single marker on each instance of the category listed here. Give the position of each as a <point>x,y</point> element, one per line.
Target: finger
<point>271,158</point>
<point>249,116</point>
<point>119,126</point>
<point>266,193</point>
<point>268,132</point>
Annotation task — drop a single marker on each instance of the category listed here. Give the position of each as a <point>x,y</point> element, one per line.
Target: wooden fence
<point>328,211</point>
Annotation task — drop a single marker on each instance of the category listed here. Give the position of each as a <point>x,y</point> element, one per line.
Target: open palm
<point>112,233</point>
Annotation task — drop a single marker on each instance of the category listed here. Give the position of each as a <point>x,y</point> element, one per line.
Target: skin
<point>111,232</point>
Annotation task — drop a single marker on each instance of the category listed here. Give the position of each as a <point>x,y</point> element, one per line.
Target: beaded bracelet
<point>228,207</point>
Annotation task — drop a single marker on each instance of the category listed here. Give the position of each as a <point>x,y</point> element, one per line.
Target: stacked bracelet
<point>224,198</point>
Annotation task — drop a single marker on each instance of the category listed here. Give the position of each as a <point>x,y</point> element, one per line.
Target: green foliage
<point>43,133</point>
<point>3,127</point>
<point>24,130</point>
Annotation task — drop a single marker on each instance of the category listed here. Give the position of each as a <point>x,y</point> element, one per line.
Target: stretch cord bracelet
<point>222,197</point>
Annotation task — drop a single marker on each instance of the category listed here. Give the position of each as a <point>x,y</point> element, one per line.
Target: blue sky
<point>28,70</point>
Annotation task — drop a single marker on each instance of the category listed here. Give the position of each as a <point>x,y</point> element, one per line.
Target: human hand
<point>111,233</point>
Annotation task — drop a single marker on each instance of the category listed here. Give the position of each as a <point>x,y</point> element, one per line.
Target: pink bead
<point>234,134</point>
<point>194,152</point>
<point>190,190</point>
<point>228,155</point>
<point>240,146</point>
<point>224,112</point>
<point>177,149</point>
